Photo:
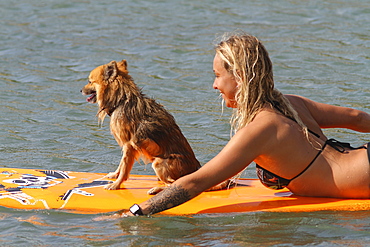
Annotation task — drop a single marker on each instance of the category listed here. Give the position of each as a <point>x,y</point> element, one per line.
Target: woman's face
<point>224,82</point>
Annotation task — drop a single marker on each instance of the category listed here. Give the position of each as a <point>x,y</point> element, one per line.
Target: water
<point>320,49</point>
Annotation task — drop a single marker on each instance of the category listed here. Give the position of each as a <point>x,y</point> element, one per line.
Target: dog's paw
<point>112,186</point>
<point>112,175</point>
<point>155,190</point>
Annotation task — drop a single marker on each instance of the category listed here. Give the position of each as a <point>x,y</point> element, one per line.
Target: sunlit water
<point>320,49</point>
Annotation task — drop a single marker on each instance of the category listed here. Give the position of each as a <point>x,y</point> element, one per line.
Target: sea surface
<point>320,49</point>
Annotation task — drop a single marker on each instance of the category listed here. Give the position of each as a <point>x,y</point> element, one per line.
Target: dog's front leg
<point>114,175</point>
<point>123,171</point>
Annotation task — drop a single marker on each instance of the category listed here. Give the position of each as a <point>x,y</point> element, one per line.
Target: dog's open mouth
<point>92,98</point>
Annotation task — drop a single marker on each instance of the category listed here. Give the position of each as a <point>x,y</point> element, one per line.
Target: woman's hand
<point>115,216</point>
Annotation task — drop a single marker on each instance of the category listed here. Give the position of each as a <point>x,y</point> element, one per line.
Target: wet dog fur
<point>141,126</point>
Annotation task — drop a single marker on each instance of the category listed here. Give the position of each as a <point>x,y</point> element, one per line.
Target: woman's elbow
<point>192,183</point>
<point>361,122</point>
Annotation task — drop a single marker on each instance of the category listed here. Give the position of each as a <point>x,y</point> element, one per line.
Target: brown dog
<point>141,126</point>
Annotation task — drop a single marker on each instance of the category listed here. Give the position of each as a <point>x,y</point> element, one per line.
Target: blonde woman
<point>281,133</point>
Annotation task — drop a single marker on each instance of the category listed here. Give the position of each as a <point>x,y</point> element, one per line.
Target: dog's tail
<point>174,166</point>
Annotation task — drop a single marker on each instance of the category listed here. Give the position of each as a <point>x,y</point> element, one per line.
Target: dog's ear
<point>122,66</point>
<point>110,71</point>
<point>124,63</point>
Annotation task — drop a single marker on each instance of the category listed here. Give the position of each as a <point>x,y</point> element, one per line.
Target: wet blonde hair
<point>247,59</point>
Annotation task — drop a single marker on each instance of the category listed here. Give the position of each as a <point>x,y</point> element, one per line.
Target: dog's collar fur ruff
<point>109,112</point>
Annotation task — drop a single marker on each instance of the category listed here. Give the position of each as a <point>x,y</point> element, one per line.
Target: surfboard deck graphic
<point>81,192</point>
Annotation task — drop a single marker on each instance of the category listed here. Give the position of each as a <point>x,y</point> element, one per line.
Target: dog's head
<point>100,79</point>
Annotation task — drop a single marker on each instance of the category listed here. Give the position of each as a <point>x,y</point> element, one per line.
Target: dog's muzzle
<point>91,98</point>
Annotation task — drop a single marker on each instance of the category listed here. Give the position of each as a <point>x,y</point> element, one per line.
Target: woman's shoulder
<point>297,99</point>
<point>302,105</point>
<point>269,119</point>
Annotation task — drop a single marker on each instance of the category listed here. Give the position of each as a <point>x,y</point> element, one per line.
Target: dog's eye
<point>90,82</point>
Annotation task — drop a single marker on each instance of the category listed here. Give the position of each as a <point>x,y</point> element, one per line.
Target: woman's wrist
<point>136,210</point>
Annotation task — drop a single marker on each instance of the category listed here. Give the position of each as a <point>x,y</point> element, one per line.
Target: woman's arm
<point>235,156</point>
<point>330,116</point>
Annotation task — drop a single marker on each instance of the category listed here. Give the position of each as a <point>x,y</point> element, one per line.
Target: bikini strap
<point>341,146</point>
<point>337,145</point>
<point>317,155</point>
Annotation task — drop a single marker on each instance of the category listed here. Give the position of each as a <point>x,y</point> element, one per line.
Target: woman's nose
<point>214,85</point>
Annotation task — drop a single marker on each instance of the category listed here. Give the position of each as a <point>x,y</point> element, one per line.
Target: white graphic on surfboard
<point>52,178</point>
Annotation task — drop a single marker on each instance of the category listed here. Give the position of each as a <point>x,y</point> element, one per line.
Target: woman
<point>281,133</point>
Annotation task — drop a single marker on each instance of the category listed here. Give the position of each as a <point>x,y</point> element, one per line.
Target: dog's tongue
<point>91,97</point>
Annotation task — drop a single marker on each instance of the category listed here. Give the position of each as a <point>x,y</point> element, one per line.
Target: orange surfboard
<point>81,192</point>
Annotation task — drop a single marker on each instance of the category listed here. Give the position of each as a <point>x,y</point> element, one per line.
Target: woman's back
<point>288,152</point>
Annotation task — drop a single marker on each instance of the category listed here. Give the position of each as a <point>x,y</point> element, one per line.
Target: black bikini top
<point>273,181</point>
